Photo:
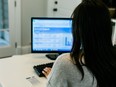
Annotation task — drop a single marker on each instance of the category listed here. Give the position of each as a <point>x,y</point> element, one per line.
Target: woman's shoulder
<point>60,65</point>
<point>64,61</point>
<point>65,57</point>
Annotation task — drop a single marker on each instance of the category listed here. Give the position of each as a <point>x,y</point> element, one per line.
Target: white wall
<point>30,8</point>
<point>64,7</point>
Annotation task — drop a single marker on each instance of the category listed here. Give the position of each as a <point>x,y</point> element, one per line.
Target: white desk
<point>14,70</point>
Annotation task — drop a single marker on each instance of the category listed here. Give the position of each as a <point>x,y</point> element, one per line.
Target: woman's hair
<point>92,31</point>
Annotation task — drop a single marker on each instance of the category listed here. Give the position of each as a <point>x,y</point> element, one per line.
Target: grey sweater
<point>65,74</point>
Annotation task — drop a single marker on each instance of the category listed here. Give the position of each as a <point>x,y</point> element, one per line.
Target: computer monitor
<point>51,35</point>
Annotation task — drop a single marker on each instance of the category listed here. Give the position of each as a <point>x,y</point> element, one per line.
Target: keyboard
<point>39,68</point>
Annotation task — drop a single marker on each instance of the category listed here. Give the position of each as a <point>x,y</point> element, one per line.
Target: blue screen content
<point>52,35</point>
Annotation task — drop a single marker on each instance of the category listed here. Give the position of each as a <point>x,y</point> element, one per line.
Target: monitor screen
<point>51,35</point>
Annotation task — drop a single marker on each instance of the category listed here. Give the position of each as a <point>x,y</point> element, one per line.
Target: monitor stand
<point>52,56</point>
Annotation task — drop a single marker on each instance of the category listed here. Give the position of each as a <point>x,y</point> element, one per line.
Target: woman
<point>92,61</point>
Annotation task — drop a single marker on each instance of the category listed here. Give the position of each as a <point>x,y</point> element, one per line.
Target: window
<point>4,25</point>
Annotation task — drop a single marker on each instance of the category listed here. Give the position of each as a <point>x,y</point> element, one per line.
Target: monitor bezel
<point>53,18</point>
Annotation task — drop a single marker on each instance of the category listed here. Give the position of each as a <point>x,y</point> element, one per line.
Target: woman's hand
<point>46,71</point>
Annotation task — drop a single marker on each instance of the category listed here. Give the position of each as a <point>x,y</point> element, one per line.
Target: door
<point>7,35</point>
<point>61,8</point>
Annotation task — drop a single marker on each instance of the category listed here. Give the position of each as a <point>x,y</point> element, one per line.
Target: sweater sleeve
<point>57,77</point>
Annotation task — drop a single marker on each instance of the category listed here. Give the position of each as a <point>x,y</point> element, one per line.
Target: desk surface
<point>14,70</point>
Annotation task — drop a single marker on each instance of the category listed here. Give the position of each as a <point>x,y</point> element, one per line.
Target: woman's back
<point>65,74</point>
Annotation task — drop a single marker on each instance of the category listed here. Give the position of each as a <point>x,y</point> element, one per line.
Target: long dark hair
<point>92,31</point>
